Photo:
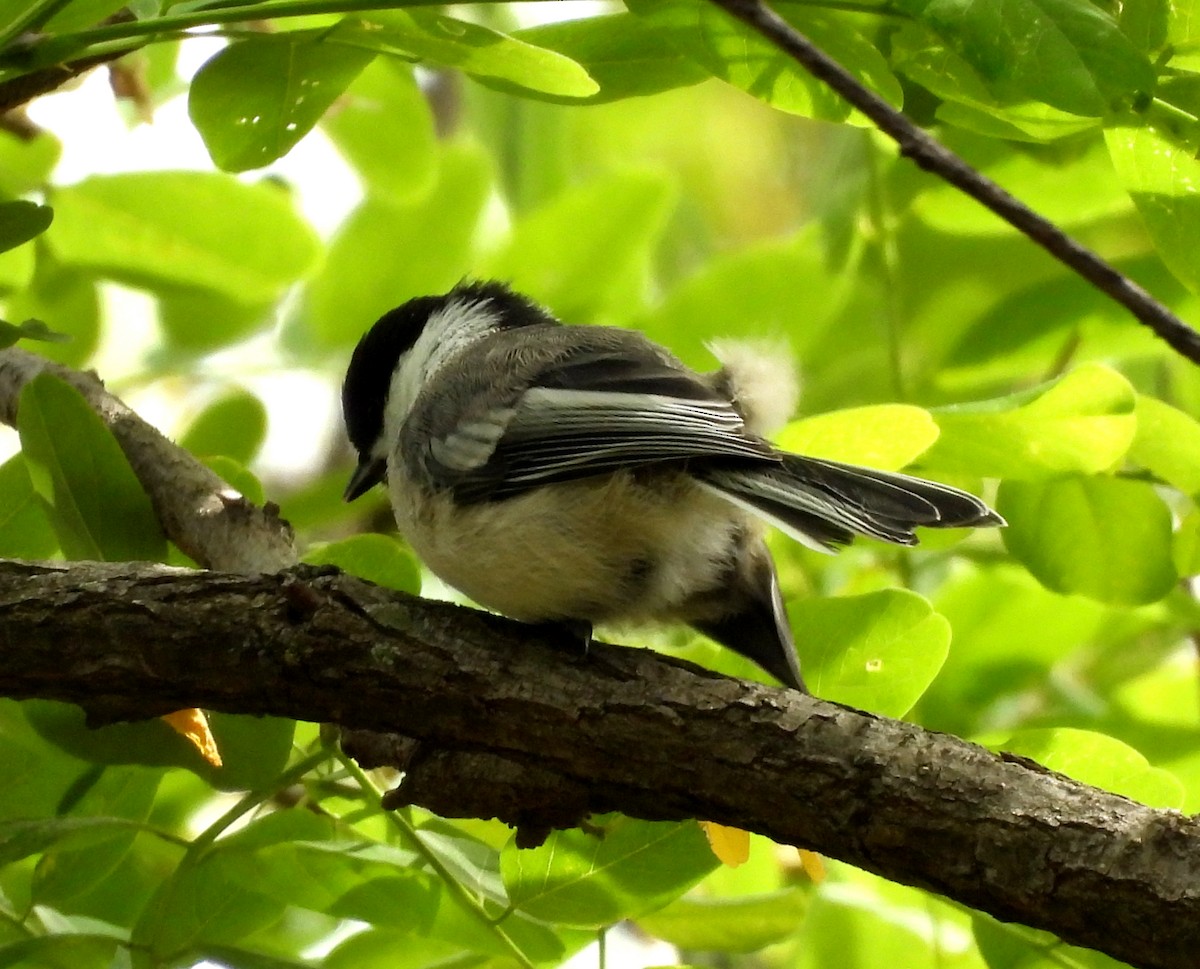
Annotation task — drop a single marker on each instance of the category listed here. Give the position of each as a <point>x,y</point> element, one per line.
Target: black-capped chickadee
<point>583,474</point>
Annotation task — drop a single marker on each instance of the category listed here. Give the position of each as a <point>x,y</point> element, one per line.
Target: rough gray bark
<point>518,725</point>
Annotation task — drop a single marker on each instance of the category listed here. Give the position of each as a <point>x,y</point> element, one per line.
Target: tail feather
<point>824,504</point>
<point>752,619</point>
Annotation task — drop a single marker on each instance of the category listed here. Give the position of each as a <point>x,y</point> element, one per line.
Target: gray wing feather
<point>598,401</point>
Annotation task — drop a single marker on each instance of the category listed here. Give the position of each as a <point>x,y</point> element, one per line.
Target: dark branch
<point>511,723</point>
<point>934,157</point>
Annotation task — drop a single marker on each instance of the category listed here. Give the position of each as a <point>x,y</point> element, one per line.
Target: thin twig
<point>935,157</point>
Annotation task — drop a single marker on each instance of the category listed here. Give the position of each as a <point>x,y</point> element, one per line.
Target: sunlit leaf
<point>196,320</point>
<point>1168,443</point>
<point>21,221</point>
<point>67,300</point>
<point>253,100</point>
<point>173,228</point>
<point>470,47</point>
<point>234,425</point>
<point>574,272</point>
<point>884,436</point>
<point>25,531</point>
<point>1107,538</point>
<point>621,52</point>
<point>876,652</point>
<point>384,127</point>
<point>1067,53</point>
<point>1083,422</point>
<point>738,924</point>
<point>736,53</point>
<point>1163,178</point>
<point>376,558</point>
<point>26,163</point>
<point>363,278</point>
<point>1096,759</point>
<point>579,878</point>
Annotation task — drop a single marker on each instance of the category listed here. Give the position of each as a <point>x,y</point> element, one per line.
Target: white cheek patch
<point>445,335</point>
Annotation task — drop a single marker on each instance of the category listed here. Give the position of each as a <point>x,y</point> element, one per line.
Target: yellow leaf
<point>193,724</point>
<point>730,845</point>
<point>813,865</point>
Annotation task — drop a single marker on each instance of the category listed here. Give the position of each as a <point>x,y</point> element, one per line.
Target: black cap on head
<point>369,376</point>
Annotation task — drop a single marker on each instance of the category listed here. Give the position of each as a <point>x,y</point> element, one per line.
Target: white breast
<point>606,549</point>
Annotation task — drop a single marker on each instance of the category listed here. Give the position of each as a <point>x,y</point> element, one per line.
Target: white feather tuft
<point>762,378</point>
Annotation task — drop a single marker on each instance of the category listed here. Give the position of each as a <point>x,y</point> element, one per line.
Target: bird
<point>583,475</point>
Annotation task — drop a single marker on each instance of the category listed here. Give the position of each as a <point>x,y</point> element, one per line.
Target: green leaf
<point>575,272</point>
<point>79,14</point>
<point>757,293</point>
<point>201,904</point>
<point>473,48</point>
<point>233,425</point>
<point>1096,759</point>
<point>384,127</point>
<point>16,269</point>
<point>196,320</point>
<point>256,98</point>
<point>239,958</point>
<point>1186,551</point>
<point>579,878</point>
<point>623,54</point>
<point>1009,945</point>
<point>1168,443</point>
<point>59,952</point>
<point>253,749</point>
<point>397,949</point>
<point>363,278</point>
<point>25,164</point>
<point>67,300</point>
<point>31,836</point>
<point>93,499</point>
<point>739,55</point>
<point>884,436</point>
<point>39,776</point>
<point>1107,538</point>
<point>240,478</point>
<point>1068,53</point>
<point>172,228</point>
<point>77,865</point>
<point>1082,422</point>
<point>1160,176</point>
<point>25,532</point>
<point>30,329</point>
<point>376,558</point>
<point>993,656</point>
<point>877,652</point>
<point>742,923</point>
<point>21,221</point>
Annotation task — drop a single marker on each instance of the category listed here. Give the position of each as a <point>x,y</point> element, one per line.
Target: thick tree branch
<point>544,734</point>
<point>935,157</point>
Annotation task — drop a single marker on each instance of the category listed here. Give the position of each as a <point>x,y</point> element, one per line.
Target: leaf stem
<point>32,19</point>
<point>252,799</point>
<point>468,901</point>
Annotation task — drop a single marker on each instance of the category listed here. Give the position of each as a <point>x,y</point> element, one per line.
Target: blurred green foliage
<point>654,166</point>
